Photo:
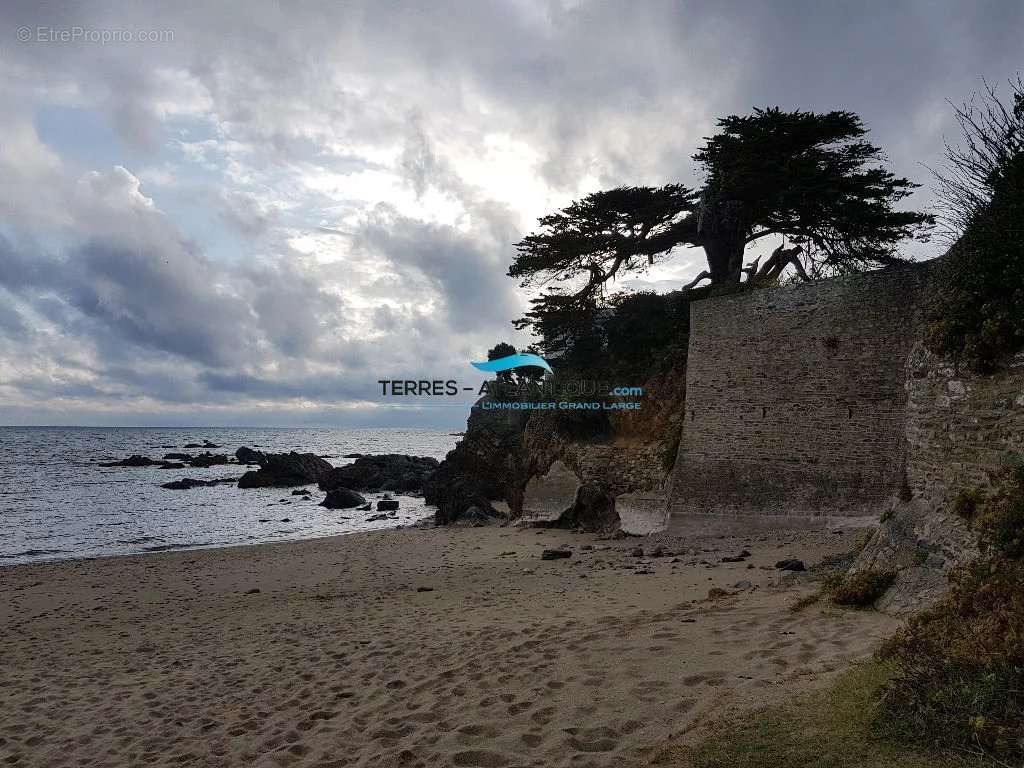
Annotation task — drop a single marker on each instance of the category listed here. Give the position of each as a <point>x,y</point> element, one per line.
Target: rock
<point>177,457</point>
<point>716,592</point>
<point>281,470</point>
<point>592,510</point>
<point>192,445</point>
<point>424,589</point>
<point>135,460</point>
<point>555,554</point>
<point>190,482</point>
<point>459,497</point>
<point>209,459</point>
<point>742,585</point>
<point>208,444</point>
<point>375,518</point>
<point>791,564</point>
<point>301,492</point>
<point>384,472</point>
<point>352,456</point>
<point>171,465</point>
<point>658,551</point>
<point>249,456</point>
<point>637,552</point>
<point>342,498</point>
<point>366,507</point>
<point>386,504</point>
<point>253,592</point>
<point>286,519</point>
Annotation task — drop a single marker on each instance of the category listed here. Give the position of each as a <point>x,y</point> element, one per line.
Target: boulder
<point>135,460</point>
<point>249,456</point>
<point>187,483</point>
<point>282,470</point>
<point>385,505</point>
<point>177,457</point>
<point>555,554</point>
<point>382,472</point>
<point>208,459</point>
<point>342,498</point>
<point>791,564</point>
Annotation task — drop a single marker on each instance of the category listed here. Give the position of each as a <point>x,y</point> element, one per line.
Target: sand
<point>341,660</point>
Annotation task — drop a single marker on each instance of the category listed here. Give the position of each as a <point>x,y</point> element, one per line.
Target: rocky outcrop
<point>342,498</point>
<point>247,455</point>
<point>135,460</point>
<point>209,460</point>
<point>960,431</point>
<point>187,483</point>
<point>282,470</point>
<point>384,472</point>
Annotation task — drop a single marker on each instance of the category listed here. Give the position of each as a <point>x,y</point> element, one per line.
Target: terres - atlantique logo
<point>523,393</point>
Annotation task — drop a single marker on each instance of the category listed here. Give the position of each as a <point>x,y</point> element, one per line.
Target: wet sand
<point>417,647</point>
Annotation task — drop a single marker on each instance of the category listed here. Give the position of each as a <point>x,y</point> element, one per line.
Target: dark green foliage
<point>976,307</point>
<point>810,177</point>
<point>965,503</point>
<point>959,678</point>
<point>591,242</point>
<point>641,326</point>
<point>861,589</point>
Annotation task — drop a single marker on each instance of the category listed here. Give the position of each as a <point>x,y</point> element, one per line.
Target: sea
<point>57,503</point>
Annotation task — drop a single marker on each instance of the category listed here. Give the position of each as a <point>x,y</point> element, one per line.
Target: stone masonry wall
<point>796,403</point>
<point>960,428</point>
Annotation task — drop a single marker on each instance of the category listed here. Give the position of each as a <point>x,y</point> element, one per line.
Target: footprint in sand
<point>480,758</point>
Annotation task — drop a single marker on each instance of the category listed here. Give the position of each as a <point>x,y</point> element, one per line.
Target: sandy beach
<point>416,647</point>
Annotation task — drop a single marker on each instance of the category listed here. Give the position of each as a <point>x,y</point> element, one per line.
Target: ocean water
<point>57,503</point>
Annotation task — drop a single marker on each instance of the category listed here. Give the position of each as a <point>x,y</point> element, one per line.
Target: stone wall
<point>961,431</point>
<point>960,428</point>
<point>795,399</point>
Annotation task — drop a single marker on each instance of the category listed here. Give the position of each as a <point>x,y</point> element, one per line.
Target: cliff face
<point>960,432</point>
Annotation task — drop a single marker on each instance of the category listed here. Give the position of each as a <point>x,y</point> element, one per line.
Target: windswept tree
<point>590,243</point>
<point>810,179</point>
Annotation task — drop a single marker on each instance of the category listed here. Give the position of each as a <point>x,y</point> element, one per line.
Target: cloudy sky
<point>257,210</point>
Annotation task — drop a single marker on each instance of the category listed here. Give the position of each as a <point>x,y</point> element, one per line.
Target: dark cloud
<point>346,180</point>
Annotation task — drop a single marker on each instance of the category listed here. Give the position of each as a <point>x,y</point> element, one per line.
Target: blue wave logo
<point>513,361</point>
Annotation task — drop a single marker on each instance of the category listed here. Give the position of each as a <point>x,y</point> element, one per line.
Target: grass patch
<point>828,729</point>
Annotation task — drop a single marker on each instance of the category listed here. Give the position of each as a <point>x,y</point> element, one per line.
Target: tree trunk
<point>722,231</point>
<point>725,260</point>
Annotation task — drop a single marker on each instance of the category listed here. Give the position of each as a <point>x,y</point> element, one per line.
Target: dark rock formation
<point>135,460</point>
<point>387,505</point>
<point>342,498</point>
<point>385,472</point>
<point>171,465</point>
<point>791,564</point>
<point>592,510</point>
<point>281,470</point>
<point>209,460</point>
<point>249,456</point>
<point>190,482</point>
<point>177,457</point>
<point>486,466</point>
<point>555,554</point>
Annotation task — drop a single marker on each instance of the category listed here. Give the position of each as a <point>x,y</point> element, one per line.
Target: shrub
<point>965,503</point>
<point>959,667</point>
<point>862,588</point>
